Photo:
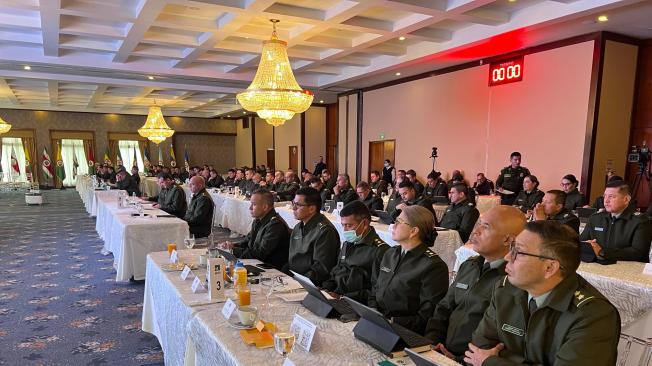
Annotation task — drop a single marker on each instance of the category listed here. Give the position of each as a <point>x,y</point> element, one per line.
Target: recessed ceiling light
<point>228,115</point>
<point>27,67</point>
<point>150,77</point>
<point>398,74</point>
<point>401,38</point>
<point>321,101</point>
<point>512,1</point>
<point>602,18</point>
<point>243,112</point>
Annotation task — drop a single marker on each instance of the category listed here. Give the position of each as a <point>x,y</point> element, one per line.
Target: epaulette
<point>379,242</point>
<point>637,214</point>
<point>580,299</point>
<point>470,204</point>
<point>429,253</point>
<point>565,215</point>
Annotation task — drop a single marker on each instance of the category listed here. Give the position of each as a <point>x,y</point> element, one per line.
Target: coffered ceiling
<point>191,57</point>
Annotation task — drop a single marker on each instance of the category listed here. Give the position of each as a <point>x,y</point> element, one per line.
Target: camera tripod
<point>643,172</point>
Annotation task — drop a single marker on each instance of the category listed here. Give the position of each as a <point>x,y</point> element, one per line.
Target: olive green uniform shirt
<point>172,200</point>
<point>199,215</point>
<point>267,241</point>
<point>566,217</point>
<point>346,195</point>
<point>461,217</point>
<point>527,200</point>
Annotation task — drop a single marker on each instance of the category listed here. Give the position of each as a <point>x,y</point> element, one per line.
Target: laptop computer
<point>384,216</point>
<point>316,302</point>
<point>389,338</point>
<point>421,360</point>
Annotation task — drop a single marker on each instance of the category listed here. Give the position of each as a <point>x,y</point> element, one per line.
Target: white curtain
<point>69,149</point>
<point>127,150</point>
<point>8,173</point>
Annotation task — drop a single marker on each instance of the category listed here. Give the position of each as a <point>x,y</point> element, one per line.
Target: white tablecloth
<point>445,245</point>
<point>131,238</point>
<point>149,186</point>
<point>484,203</point>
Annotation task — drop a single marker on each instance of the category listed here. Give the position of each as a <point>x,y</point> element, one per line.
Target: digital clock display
<point>505,72</point>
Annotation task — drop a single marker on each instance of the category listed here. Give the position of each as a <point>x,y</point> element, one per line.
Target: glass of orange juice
<point>171,247</point>
<point>244,296</point>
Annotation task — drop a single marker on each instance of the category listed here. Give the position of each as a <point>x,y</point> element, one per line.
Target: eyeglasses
<point>513,253</point>
<point>296,205</point>
<point>566,184</point>
<point>400,221</point>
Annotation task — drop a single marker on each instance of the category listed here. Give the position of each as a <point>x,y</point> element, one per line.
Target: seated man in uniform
<point>458,314</point>
<point>552,207</point>
<point>314,242</point>
<point>199,215</point>
<point>435,186</point>
<point>378,186</point>
<point>269,236</point>
<point>343,190</point>
<point>134,174</point>
<point>328,179</point>
<point>461,215</point>
<point>126,182</point>
<point>230,179</point>
<point>324,194</point>
<point>240,179</point>
<point>409,197</point>
<point>286,190</point>
<point>619,233</point>
<point>214,180</point>
<point>412,177</point>
<point>171,198</point>
<point>366,196</point>
<point>359,256</point>
<point>543,312</point>
<point>483,185</point>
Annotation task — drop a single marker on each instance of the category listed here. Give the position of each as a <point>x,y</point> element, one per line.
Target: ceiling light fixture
<point>602,18</point>
<point>274,94</point>
<point>27,67</point>
<point>321,101</point>
<point>4,126</point>
<point>150,77</point>
<point>155,128</point>
<point>398,74</point>
<point>401,38</point>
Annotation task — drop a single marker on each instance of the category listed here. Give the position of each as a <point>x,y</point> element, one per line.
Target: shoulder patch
<point>580,299</point>
<point>637,214</point>
<point>429,253</point>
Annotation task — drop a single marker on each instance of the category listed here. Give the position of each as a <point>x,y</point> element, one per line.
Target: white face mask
<point>386,165</point>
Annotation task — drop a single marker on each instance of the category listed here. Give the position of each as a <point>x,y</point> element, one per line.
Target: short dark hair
<point>515,153</point>
<point>345,176</point>
<point>231,170</point>
<point>326,171</point>
<point>266,195</point>
<point>560,196</point>
<point>364,185</point>
<point>377,173</point>
<point>357,209</point>
<point>164,175</point>
<point>315,180</point>
<point>558,241</point>
<point>615,177</point>
<point>622,186</point>
<point>411,172</point>
<point>406,184</point>
<point>534,179</point>
<point>571,178</point>
<point>434,175</point>
<point>311,196</point>
<point>480,174</point>
<point>402,171</point>
<point>461,188</point>
<point>387,161</point>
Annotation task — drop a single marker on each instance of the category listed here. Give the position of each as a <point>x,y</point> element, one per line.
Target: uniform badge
<point>512,329</point>
<point>598,228</point>
<point>579,295</point>
<point>507,175</point>
<point>463,286</point>
<point>385,269</point>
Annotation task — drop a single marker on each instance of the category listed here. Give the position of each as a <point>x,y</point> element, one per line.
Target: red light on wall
<point>505,72</point>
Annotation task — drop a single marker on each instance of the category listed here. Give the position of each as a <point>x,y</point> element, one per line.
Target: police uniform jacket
<point>626,238</point>
<point>373,202</point>
<point>418,187</point>
<point>128,184</point>
<point>394,200</point>
<point>575,199</point>
<point>424,202</point>
<point>229,182</point>
<point>215,182</point>
<point>268,241</point>
<point>458,314</point>
<point>484,188</point>
<point>136,179</point>
<point>461,217</point>
<point>407,287</point>
<point>286,191</point>
<point>440,190</point>
<point>346,195</point>
<point>567,218</point>
<point>380,186</point>
<point>576,325</point>
<point>329,184</point>
<point>313,248</point>
<point>526,201</point>
<point>512,179</point>
<point>172,200</point>
<point>356,262</point>
<point>199,215</point>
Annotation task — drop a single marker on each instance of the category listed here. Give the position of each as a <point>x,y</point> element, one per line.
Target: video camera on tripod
<point>640,156</point>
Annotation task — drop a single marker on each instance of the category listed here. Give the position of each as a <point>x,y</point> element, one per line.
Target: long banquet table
<point>131,238</point>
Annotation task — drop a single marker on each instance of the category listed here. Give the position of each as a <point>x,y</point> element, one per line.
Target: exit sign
<point>506,72</point>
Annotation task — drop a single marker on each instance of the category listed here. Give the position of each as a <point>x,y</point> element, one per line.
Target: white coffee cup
<point>248,315</point>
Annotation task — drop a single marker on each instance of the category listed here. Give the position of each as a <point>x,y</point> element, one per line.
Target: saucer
<point>234,322</point>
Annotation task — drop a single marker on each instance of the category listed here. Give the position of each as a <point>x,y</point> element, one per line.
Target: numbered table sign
<point>215,272</point>
<point>304,330</point>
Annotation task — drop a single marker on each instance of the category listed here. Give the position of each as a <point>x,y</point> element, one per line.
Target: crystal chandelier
<point>155,128</point>
<point>4,126</point>
<point>274,94</point>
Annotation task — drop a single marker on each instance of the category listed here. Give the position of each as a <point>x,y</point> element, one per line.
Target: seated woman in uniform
<point>411,279</point>
<point>530,195</point>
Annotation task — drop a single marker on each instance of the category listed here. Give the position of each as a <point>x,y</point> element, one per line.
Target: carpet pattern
<point>59,302</point>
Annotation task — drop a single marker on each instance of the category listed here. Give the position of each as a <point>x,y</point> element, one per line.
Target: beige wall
<point>315,135</point>
<point>288,134</point>
<point>476,127</point>
<point>44,121</point>
<point>341,134</point>
<point>614,119</point>
<point>264,140</point>
<point>214,150</point>
<point>243,155</point>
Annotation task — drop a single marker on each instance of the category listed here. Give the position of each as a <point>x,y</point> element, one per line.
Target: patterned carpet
<point>59,302</point>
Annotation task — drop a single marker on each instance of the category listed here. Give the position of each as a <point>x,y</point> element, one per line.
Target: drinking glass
<point>284,343</point>
<point>267,286</point>
<point>189,242</point>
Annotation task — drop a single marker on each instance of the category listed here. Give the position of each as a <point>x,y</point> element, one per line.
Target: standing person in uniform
<point>574,198</point>
<point>269,237</point>
<point>619,233</point>
<point>199,215</point>
<point>359,256</point>
<point>343,190</point>
<point>389,173</point>
<point>435,186</point>
<point>552,208</point>
<point>411,279</point>
<point>378,185</point>
<point>171,198</point>
<point>314,242</point>
<point>319,166</point>
<point>458,314</point>
<point>530,196</point>
<point>543,312</point>
<point>511,179</point>
<point>366,196</point>
<point>461,215</point>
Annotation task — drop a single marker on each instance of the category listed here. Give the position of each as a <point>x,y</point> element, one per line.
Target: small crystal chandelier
<point>274,94</point>
<point>4,126</point>
<point>155,128</point>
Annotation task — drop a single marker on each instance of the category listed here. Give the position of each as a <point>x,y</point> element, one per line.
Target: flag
<point>135,159</point>
<point>48,171</point>
<point>75,164</point>
<point>160,156</point>
<point>186,160</point>
<point>107,159</point>
<point>146,162</point>
<point>14,163</point>
<point>173,159</point>
<point>28,165</point>
<point>91,161</point>
<point>118,159</point>
<point>61,173</point>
